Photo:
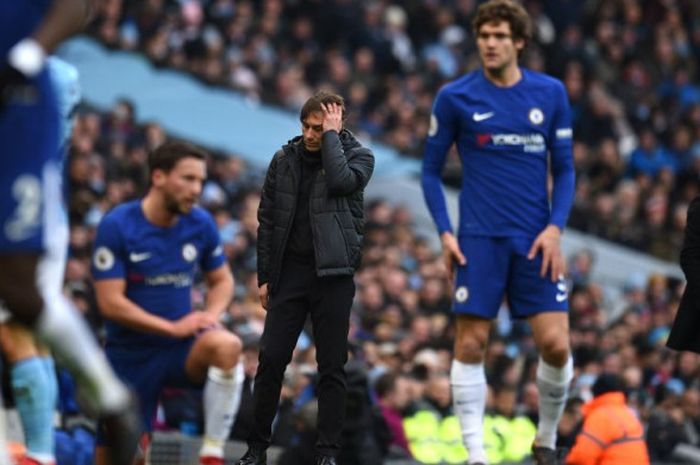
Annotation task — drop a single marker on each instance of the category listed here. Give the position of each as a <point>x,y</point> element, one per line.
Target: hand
<point>11,81</point>
<point>191,323</point>
<point>548,242</point>
<point>264,296</point>
<point>451,253</point>
<point>332,117</point>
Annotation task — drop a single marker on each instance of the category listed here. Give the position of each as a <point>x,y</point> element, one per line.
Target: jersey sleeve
<point>109,252</point>
<point>441,135</point>
<point>560,147</point>
<point>212,253</point>
<point>561,133</point>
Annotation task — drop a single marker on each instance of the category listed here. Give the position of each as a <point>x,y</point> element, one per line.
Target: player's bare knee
<point>555,351</point>
<point>232,348</point>
<point>470,349</point>
<point>227,350</point>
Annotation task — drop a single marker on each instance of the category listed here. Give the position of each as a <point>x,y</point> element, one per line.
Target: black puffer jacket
<point>336,206</point>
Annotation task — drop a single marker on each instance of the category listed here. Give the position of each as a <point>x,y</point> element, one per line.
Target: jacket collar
<point>610,398</point>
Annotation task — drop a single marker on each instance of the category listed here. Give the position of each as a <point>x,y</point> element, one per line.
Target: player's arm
<point>64,19</point>
<point>116,306</point>
<point>216,271</point>
<point>564,179</point>
<point>441,136</point>
<point>220,290</point>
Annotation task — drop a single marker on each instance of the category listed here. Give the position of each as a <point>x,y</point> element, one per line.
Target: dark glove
<point>12,84</point>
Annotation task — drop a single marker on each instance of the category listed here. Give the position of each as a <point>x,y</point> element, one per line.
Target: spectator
<point>611,432</point>
<point>392,393</point>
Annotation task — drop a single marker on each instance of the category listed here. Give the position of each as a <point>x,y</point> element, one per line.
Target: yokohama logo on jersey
<point>530,142</point>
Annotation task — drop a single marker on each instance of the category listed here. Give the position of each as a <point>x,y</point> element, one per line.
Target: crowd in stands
<point>401,332</point>
<point>630,68</point>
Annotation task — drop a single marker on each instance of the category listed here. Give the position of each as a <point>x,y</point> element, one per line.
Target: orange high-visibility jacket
<point>612,434</point>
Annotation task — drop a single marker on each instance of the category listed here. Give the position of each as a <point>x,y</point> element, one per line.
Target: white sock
<point>222,397</point>
<point>65,331</point>
<point>4,456</point>
<point>43,459</point>
<point>469,400</point>
<point>553,385</point>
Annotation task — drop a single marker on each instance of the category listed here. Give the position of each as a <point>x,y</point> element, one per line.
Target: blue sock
<point>32,390</point>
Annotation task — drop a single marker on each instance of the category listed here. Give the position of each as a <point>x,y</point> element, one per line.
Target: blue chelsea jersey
<point>504,137</point>
<point>158,264</point>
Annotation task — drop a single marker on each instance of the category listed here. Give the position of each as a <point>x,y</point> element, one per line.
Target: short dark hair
<point>385,384</point>
<point>167,155</point>
<point>509,11</point>
<point>313,104</point>
<point>607,382</point>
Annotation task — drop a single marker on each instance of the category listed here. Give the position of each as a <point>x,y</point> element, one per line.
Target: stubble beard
<point>173,207</point>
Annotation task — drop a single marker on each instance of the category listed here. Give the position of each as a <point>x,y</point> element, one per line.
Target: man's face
<point>497,48</point>
<point>182,186</point>
<point>312,130</point>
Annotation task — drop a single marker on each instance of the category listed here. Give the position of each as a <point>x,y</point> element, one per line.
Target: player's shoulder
<point>462,84</point>
<point>122,212</point>
<point>199,215</point>
<point>538,79</point>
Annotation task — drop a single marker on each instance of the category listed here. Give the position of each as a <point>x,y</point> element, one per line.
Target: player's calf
<point>219,351</point>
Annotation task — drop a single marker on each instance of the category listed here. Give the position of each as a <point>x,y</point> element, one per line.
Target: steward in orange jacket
<point>611,434</point>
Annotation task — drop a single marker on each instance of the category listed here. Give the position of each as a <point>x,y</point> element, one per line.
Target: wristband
<point>27,57</point>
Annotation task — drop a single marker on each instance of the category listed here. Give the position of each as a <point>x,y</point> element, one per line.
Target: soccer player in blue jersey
<point>147,253</point>
<point>511,126</point>
<point>30,209</point>
<point>32,373</point>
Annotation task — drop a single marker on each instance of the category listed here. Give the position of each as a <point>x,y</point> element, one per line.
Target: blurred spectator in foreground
<point>393,394</point>
<point>508,436</point>
<point>612,434</point>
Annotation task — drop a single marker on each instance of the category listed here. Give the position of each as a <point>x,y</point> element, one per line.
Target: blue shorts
<point>147,371</point>
<point>29,131</point>
<point>498,267</point>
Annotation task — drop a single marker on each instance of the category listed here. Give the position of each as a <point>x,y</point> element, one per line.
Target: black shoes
<point>253,456</point>
<point>123,432</point>
<point>325,460</point>
<point>544,456</point>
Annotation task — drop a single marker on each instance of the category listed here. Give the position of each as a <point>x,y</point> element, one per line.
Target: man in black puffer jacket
<point>309,239</point>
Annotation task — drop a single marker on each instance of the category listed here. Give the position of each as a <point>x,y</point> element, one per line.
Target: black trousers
<point>328,301</point>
